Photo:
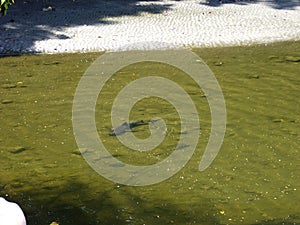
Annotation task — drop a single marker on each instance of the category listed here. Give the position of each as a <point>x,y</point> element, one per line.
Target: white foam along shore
<point>66,26</point>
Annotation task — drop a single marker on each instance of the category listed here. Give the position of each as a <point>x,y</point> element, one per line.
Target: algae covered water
<point>253,180</point>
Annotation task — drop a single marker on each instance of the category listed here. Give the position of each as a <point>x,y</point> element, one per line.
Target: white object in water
<point>11,213</point>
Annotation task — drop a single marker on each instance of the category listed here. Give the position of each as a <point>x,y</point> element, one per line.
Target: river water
<point>253,180</point>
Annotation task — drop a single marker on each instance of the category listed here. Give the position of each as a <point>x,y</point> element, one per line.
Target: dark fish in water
<point>126,127</point>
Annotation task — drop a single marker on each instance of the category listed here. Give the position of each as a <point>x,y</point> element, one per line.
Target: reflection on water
<point>253,180</point>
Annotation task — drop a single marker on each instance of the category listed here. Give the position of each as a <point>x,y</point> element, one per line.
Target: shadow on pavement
<point>29,21</point>
<point>276,4</point>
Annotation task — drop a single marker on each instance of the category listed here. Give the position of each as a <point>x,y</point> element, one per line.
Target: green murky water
<point>253,180</point>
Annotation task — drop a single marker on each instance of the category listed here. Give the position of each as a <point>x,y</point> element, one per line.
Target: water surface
<point>253,180</point>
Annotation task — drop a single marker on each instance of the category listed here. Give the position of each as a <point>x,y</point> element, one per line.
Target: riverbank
<point>73,26</point>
